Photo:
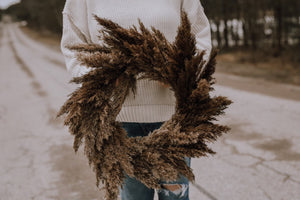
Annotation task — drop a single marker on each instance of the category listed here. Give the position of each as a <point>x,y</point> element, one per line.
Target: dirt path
<point>37,160</point>
<point>258,159</point>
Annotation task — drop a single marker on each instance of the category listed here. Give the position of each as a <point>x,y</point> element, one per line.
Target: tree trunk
<point>278,18</point>
<point>218,34</point>
<point>226,34</point>
<point>225,18</point>
<point>245,34</point>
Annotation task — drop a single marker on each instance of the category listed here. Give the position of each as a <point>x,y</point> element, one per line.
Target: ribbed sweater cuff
<point>146,113</point>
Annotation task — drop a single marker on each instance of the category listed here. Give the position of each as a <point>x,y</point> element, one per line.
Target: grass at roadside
<point>50,39</point>
<point>283,69</point>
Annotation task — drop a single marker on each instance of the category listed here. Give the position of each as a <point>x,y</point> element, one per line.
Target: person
<point>154,102</point>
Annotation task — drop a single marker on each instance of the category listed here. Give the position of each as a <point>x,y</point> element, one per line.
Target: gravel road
<point>259,159</point>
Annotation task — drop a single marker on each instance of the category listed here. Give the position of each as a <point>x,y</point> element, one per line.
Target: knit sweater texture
<point>153,102</point>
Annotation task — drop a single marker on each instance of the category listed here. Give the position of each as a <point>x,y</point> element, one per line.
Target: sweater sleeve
<point>75,31</point>
<point>200,26</point>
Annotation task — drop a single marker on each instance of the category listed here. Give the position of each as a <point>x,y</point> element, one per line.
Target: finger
<point>163,84</point>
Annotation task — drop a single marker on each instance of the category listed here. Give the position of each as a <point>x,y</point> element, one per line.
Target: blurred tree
<point>255,24</point>
<point>45,14</point>
<point>18,11</point>
<point>213,10</point>
<point>42,15</point>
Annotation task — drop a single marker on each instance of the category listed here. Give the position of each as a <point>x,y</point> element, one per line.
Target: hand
<point>164,85</point>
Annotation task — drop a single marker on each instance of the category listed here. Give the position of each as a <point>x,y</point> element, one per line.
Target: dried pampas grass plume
<point>91,110</point>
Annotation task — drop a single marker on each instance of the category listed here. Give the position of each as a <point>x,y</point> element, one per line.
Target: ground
<point>258,159</point>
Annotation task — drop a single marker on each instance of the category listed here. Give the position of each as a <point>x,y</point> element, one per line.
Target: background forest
<point>255,29</point>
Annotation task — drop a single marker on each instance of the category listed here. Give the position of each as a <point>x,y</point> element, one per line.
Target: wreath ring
<point>91,110</point>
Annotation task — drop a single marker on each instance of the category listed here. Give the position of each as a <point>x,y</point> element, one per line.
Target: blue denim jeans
<point>134,189</point>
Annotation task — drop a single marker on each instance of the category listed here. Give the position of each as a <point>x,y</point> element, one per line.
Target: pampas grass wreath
<point>91,110</point>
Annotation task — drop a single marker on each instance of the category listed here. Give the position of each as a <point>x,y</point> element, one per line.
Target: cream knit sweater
<point>153,102</point>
